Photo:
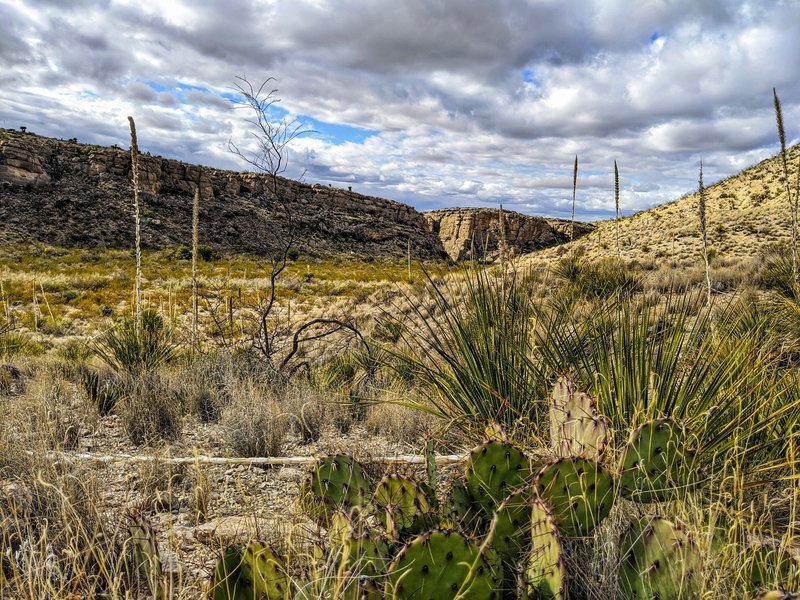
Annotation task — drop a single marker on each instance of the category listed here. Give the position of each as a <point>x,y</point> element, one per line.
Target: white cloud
<point>472,102</point>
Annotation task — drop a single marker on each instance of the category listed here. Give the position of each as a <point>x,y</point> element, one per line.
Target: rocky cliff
<point>476,232</point>
<point>63,193</point>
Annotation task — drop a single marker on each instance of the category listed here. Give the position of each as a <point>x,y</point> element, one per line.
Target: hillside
<point>746,214</point>
<point>63,193</point>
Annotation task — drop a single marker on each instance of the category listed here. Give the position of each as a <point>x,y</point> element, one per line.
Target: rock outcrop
<point>63,193</point>
<point>468,233</point>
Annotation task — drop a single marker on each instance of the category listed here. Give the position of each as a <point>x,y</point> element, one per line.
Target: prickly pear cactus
<point>493,471</point>
<point>265,569</point>
<point>767,565</point>
<point>337,482</point>
<point>461,509</point>
<point>146,557</point>
<point>365,557</point>
<point>443,565</point>
<point>546,573</point>
<point>580,492</point>
<point>576,428</point>
<point>228,584</point>
<point>658,560</point>
<point>404,505</point>
<point>656,464</point>
<point>512,526</point>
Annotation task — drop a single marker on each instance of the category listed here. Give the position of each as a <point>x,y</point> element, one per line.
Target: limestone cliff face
<point>62,192</point>
<point>476,232</point>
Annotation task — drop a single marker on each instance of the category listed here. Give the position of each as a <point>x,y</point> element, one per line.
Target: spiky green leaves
<point>441,565</point>
<point>493,471</point>
<point>580,492</point>
<point>337,482</point>
<point>576,428</point>
<point>254,571</point>
<point>656,464</point>
<point>546,571</point>
<point>658,560</point>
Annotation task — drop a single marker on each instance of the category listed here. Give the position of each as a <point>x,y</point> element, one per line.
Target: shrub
<point>254,423</point>
<point>205,252</point>
<point>182,253</point>
<point>149,412</point>
<point>597,280</point>
<point>776,273</point>
<point>127,350</point>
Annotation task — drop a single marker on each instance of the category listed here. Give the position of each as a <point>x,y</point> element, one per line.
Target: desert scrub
<point>150,411</point>
<point>255,423</point>
<point>597,280</point>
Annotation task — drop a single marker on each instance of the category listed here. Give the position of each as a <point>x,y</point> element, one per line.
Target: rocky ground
<point>197,509</point>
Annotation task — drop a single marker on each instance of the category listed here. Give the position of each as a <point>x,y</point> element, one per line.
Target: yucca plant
<point>645,361</point>
<point>130,349</point>
<point>470,351</point>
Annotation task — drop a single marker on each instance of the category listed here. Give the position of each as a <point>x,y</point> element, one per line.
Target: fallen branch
<point>409,459</point>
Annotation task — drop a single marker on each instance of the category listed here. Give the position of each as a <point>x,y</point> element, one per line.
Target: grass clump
<point>255,424</point>
<point>597,280</point>
<point>150,413</point>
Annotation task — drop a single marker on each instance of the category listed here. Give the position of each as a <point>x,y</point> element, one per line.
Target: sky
<point>436,103</point>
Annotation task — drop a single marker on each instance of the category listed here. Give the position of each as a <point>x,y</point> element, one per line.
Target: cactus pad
<point>576,428</point>
<point>265,569</point>
<point>461,508</point>
<point>405,504</point>
<point>493,471</point>
<point>658,560</point>
<point>580,491</point>
<point>546,571</point>
<point>656,463</point>
<point>512,523</point>
<point>228,584</point>
<point>365,556</point>
<point>254,571</point>
<point>441,565</point>
<point>337,482</point>
<point>146,557</point>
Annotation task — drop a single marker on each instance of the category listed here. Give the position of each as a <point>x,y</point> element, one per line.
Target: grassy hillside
<point>747,213</point>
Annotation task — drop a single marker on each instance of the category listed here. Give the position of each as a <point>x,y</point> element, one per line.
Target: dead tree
<point>268,152</point>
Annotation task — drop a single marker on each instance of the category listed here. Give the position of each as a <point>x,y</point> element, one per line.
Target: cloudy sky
<point>433,102</point>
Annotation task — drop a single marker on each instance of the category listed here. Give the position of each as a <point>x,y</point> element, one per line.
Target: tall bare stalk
<point>793,201</point>
<point>137,290</point>
<point>704,235</point>
<point>574,190</point>
<point>616,202</point>
<point>195,236</point>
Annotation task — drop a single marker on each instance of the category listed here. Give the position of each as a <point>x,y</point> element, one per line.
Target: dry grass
<point>745,214</point>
